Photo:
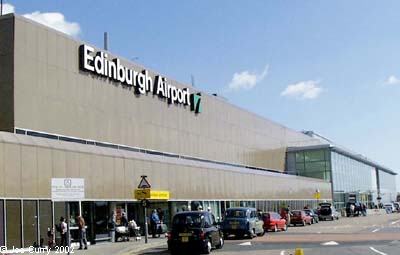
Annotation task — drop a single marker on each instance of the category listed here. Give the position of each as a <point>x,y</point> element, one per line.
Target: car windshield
<point>296,213</point>
<point>235,214</point>
<point>192,220</point>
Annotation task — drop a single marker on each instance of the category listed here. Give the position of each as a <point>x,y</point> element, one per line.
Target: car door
<point>281,222</point>
<point>213,229</point>
<point>259,223</point>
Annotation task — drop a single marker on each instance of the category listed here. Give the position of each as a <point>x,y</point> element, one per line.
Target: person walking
<point>154,221</point>
<point>82,233</point>
<point>63,232</point>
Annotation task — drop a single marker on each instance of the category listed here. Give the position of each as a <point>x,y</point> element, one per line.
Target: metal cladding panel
<point>53,95</point>
<point>113,175</point>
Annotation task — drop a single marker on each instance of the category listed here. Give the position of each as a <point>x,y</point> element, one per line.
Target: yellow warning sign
<point>141,194</point>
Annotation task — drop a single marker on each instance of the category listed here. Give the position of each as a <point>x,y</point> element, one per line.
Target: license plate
<point>185,239</point>
<point>234,226</point>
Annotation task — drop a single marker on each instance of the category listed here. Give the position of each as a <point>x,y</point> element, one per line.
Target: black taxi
<point>194,230</point>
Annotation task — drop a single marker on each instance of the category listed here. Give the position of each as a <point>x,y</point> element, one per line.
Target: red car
<point>273,221</point>
<point>299,217</point>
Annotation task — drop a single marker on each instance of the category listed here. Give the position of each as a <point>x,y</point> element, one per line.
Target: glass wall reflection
<point>30,219</point>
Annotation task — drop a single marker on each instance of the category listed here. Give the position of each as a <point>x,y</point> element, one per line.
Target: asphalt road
<point>371,235</point>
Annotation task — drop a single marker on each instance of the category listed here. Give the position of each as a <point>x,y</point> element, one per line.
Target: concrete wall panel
<point>83,105</point>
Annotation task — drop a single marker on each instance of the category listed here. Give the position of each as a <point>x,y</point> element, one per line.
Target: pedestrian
<point>154,221</point>
<point>160,214</point>
<point>364,209</point>
<point>63,232</point>
<point>124,220</point>
<point>288,214</point>
<point>50,238</point>
<point>352,208</point>
<point>82,233</point>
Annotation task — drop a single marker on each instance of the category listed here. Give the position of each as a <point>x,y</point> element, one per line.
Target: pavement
<point>122,248</point>
<point>106,248</point>
<point>371,235</point>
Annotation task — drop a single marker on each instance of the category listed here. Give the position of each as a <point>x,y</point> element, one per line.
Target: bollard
<point>299,251</point>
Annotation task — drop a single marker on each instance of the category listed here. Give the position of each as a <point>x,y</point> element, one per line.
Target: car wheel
<point>261,233</point>
<point>207,249</point>
<point>312,221</point>
<point>220,244</point>
<point>275,228</point>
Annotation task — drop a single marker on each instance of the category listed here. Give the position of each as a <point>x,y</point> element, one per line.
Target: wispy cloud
<point>392,80</point>
<point>246,79</point>
<point>303,90</point>
<point>8,8</point>
<point>54,20</point>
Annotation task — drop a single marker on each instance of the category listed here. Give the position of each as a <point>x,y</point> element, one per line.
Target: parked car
<point>328,212</point>
<point>389,207</point>
<point>299,217</point>
<point>397,206</point>
<point>274,222</point>
<point>241,221</point>
<point>195,230</point>
<point>313,215</point>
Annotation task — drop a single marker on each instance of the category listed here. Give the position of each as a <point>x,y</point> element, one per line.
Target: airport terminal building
<point>71,110</point>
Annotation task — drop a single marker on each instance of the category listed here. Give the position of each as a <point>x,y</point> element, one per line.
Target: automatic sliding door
<point>30,223</point>
<point>45,218</point>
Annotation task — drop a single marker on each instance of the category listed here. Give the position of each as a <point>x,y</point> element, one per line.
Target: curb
<point>135,250</point>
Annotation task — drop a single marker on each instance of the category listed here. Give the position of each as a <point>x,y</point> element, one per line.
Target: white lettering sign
<point>98,63</point>
<point>67,189</point>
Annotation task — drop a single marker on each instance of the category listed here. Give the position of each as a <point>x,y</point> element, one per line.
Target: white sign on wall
<point>67,189</point>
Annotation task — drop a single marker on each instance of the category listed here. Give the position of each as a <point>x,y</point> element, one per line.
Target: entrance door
<point>2,223</point>
<point>30,214</point>
<point>101,221</point>
<point>87,213</point>
<point>45,219</point>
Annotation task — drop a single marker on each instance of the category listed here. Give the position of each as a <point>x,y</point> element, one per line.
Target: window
<point>13,209</point>
<point>1,223</point>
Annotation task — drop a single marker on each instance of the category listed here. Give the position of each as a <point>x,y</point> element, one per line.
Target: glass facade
<point>30,223</point>
<point>387,187</point>
<point>312,163</point>
<point>353,177</point>
<point>14,222</point>
<point>349,176</point>
<point>2,239</point>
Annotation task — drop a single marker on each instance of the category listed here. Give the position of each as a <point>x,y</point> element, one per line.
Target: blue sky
<point>328,66</point>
